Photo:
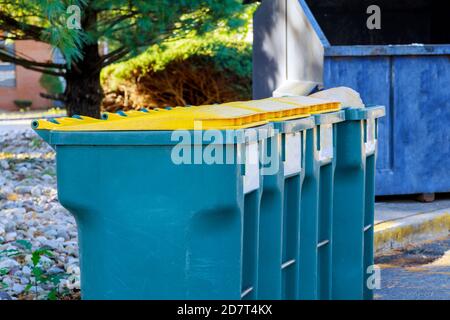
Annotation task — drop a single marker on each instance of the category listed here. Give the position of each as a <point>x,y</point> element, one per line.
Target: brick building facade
<point>18,83</point>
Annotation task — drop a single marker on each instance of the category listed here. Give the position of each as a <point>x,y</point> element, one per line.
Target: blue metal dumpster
<point>405,66</point>
<point>411,81</point>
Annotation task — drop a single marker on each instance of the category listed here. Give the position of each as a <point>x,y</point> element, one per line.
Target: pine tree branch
<point>57,97</point>
<point>14,37</point>
<point>113,56</point>
<point>5,56</point>
<point>113,53</point>
<point>31,65</point>
<point>9,24</point>
<point>109,25</point>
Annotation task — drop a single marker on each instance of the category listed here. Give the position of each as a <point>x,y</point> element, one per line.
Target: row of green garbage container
<point>265,199</point>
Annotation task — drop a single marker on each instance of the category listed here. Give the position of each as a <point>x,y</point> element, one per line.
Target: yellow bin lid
<point>234,115</point>
<point>279,109</point>
<point>188,118</point>
<point>314,105</point>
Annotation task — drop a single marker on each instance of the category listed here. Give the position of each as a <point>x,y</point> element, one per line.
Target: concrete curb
<point>415,228</point>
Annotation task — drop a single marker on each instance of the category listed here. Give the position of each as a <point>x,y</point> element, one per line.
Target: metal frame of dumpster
<point>410,80</point>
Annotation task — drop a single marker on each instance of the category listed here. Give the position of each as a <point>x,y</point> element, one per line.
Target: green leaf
<point>52,295</point>
<point>4,271</point>
<point>28,287</point>
<point>25,243</point>
<point>35,257</point>
<point>51,84</point>
<point>55,279</point>
<point>48,253</point>
<point>37,272</point>
<point>9,253</point>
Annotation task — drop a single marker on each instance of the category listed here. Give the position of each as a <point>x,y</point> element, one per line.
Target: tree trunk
<point>84,93</point>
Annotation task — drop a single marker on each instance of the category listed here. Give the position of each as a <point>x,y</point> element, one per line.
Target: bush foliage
<point>51,84</point>
<point>187,69</point>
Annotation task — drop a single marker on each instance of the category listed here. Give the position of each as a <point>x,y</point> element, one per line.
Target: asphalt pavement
<point>416,273</point>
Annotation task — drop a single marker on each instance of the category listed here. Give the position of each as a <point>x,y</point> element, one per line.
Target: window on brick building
<point>7,70</point>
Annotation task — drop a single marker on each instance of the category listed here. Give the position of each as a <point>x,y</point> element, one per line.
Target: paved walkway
<point>404,222</point>
<point>401,209</point>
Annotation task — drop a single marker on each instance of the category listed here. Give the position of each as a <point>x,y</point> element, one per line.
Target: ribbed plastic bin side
<point>283,171</point>
<point>316,209</point>
<point>293,141</point>
<point>251,216</point>
<point>282,174</point>
<point>353,203</point>
<point>150,228</point>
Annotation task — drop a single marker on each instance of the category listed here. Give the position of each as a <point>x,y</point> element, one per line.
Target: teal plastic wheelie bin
<point>353,202</point>
<point>150,225</point>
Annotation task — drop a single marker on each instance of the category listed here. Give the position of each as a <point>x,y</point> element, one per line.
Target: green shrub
<point>51,84</point>
<point>23,104</point>
<point>187,69</point>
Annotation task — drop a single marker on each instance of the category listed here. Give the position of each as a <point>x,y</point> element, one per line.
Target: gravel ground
<point>38,237</point>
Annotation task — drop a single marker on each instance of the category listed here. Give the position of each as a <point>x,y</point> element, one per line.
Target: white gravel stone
<point>23,189</point>
<point>35,216</point>
<point>4,296</point>
<point>55,270</point>
<point>47,178</point>
<point>26,271</point>
<point>4,164</point>
<point>73,269</point>
<point>36,191</point>
<point>8,281</point>
<point>11,236</point>
<point>18,288</point>
<point>8,263</point>
<point>51,233</point>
